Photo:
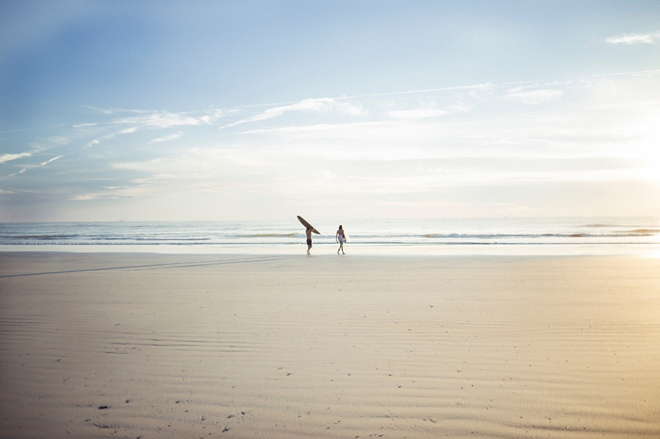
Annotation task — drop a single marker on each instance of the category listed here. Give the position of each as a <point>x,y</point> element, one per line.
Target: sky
<point>241,110</point>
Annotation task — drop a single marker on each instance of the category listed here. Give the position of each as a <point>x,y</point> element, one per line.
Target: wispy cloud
<point>156,120</point>
<point>98,140</point>
<point>117,110</point>
<point>469,88</point>
<point>421,113</point>
<point>9,157</point>
<point>19,172</point>
<point>534,97</point>
<point>311,105</point>
<point>213,116</point>
<point>167,138</point>
<point>52,160</point>
<point>631,39</point>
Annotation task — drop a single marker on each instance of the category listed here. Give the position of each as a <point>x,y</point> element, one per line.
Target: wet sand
<point>174,346</point>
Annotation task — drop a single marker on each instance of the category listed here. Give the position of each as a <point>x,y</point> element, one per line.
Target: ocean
<point>438,236</point>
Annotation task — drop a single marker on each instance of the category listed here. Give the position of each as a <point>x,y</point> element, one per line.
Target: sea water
<point>436,236</point>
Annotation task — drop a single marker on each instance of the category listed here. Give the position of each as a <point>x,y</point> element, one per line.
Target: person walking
<point>340,237</point>
<point>308,232</point>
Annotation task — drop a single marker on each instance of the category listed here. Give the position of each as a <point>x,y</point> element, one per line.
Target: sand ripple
<point>415,348</point>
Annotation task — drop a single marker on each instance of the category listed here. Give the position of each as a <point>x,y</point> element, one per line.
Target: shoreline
<point>498,249</point>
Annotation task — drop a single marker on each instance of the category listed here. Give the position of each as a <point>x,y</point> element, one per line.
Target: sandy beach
<point>188,346</point>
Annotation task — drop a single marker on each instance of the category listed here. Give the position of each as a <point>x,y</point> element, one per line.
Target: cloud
<point>124,121</point>
<point>98,140</point>
<point>310,105</point>
<point>471,88</point>
<point>397,145</point>
<point>167,138</point>
<point>534,97</point>
<point>52,160</point>
<point>321,131</point>
<point>631,39</point>
<point>9,157</point>
<point>61,140</point>
<point>116,110</point>
<point>422,113</point>
<point>213,116</point>
<point>157,120</point>
<point>19,172</point>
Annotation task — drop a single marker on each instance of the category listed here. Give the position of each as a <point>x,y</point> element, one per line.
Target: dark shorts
<point>309,242</point>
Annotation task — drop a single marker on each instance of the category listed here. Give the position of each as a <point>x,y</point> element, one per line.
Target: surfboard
<point>306,224</point>
<point>346,238</point>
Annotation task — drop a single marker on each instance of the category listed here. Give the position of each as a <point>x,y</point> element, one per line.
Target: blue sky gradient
<point>238,110</point>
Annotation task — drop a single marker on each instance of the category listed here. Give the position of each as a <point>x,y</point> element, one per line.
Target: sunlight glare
<point>648,148</point>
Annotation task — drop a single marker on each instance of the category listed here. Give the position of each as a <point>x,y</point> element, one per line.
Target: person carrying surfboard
<point>309,229</point>
<point>340,237</point>
<point>308,232</point>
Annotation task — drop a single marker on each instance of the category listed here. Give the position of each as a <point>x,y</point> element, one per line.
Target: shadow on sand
<point>162,266</point>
